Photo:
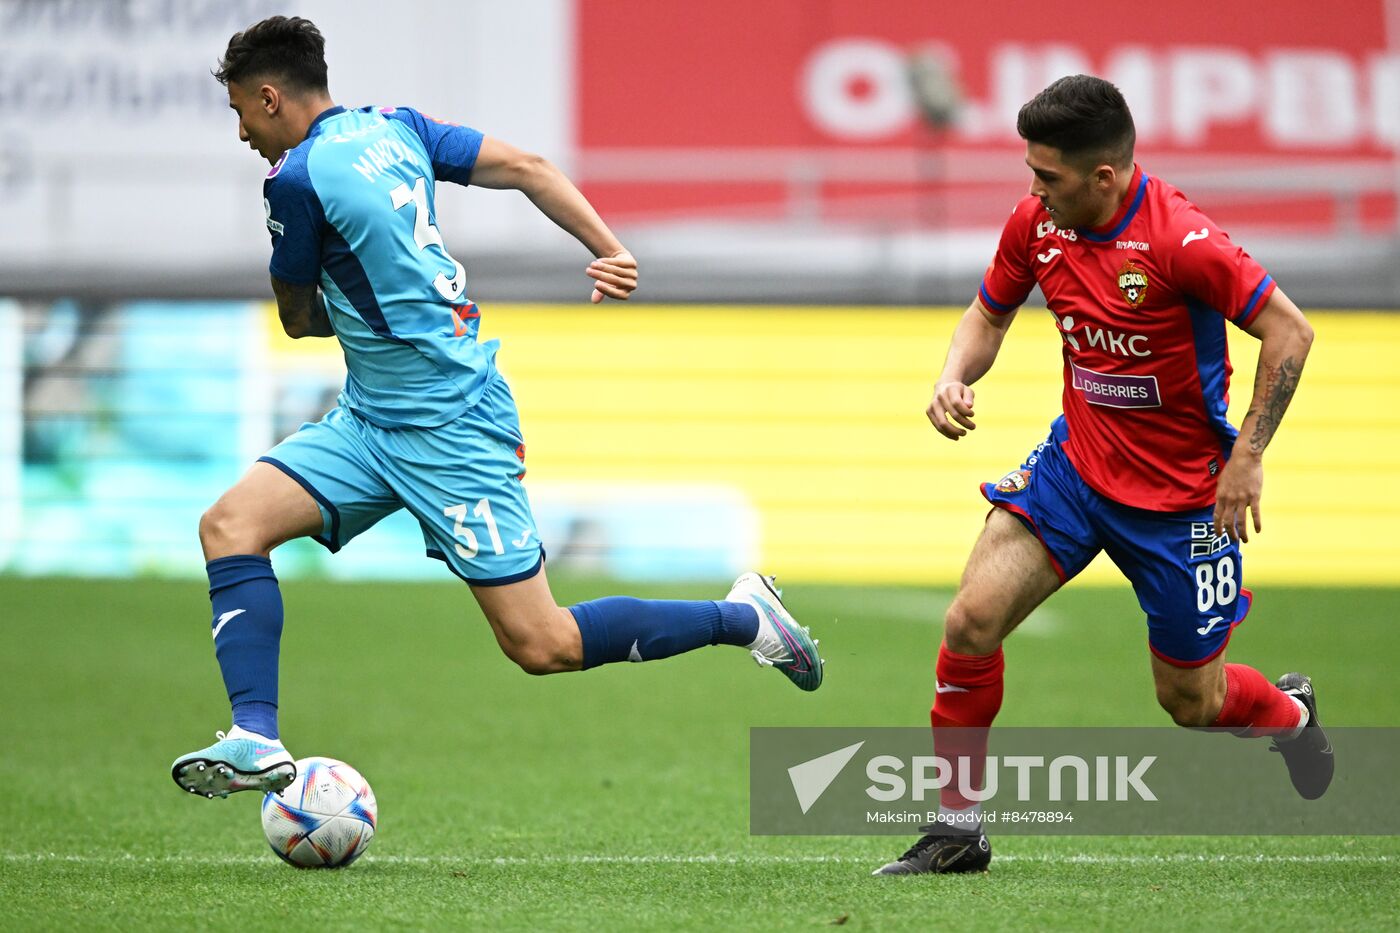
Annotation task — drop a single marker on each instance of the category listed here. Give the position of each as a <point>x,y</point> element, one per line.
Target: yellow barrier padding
<point>817,416</point>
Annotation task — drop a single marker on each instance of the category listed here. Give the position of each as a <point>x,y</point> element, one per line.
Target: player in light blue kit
<point>425,421</point>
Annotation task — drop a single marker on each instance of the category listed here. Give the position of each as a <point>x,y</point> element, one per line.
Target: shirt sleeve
<point>451,148</point>
<point>1009,279</point>
<point>1208,266</point>
<point>295,218</point>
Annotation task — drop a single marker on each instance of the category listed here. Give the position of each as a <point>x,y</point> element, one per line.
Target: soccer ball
<point>323,819</point>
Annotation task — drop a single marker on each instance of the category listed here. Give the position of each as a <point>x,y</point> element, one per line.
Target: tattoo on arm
<point>1279,384</point>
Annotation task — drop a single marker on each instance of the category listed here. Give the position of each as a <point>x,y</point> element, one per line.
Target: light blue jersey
<point>351,208</point>
<point>425,421</point>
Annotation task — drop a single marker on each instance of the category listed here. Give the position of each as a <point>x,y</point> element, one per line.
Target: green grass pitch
<point>614,799</point>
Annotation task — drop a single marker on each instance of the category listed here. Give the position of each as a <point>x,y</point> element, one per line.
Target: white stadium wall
<point>120,161</point>
<point>784,161</point>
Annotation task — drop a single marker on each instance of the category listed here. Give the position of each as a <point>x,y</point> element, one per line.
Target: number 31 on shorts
<point>1216,583</point>
<point>467,546</point>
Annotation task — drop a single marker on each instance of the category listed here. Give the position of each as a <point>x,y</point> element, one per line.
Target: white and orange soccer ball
<point>323,819</point>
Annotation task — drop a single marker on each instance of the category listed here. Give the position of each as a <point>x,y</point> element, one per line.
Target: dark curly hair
<point>288,49</point>
<point>1084,117</point>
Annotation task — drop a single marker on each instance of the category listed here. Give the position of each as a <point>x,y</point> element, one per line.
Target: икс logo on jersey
<point>1110,341</point>
<point>1132,282</point>
<point>1047,227</point>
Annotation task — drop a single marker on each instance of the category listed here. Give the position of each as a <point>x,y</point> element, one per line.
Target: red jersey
<point>1141,304</point>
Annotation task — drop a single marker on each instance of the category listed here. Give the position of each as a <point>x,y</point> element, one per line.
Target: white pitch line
<point>448,860</point>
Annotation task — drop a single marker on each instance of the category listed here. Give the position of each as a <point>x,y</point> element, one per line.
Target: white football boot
<point>781,642</point>
<point>240,760</point>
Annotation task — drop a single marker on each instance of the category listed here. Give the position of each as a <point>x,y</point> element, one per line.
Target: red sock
<point>1253,706</point>
<point>969,696</point>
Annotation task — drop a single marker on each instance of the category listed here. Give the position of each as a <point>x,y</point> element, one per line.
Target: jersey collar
<point>1137,189</point>
<point>322,117</point>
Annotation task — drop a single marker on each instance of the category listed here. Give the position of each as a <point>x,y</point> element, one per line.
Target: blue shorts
<point>1188,581</point>
<point>461,480</point>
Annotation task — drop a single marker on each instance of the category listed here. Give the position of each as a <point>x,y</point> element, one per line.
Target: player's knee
<point>546,649</point>
<point>541,657</point>
<point>224,531</point>
<point>218,528</point>
<point>533,662</point>
<point>967,629</point>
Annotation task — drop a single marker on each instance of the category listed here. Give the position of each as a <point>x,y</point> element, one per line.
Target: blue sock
<point>256,716</point>
<point>247,630</point>
<point>620,628</point>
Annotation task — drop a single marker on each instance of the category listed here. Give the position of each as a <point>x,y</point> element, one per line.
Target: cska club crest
<point>1132,282</point>
<point>1014,482</point>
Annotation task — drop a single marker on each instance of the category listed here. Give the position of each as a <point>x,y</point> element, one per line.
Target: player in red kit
<point>1142,464</point>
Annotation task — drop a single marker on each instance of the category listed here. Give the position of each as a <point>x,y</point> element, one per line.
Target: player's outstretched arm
<point>302,309</point>
<point>1285,337</point>
<point>501,165</point>
<point>971,353</point>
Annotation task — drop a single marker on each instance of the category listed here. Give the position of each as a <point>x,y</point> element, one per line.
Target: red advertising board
<point>731,106</point>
